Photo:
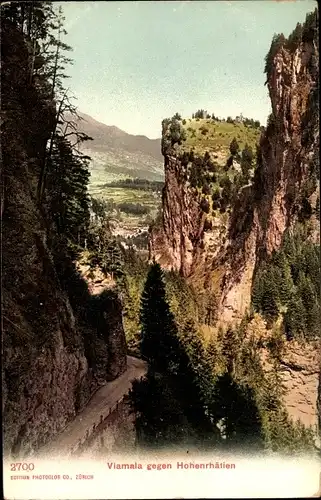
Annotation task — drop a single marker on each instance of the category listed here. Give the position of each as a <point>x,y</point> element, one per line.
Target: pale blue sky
<point>136,63</point>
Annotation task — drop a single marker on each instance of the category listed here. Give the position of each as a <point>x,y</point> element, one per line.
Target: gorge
<point>236,289</point>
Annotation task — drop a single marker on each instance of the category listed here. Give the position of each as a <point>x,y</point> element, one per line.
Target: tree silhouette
<point>159,341</point>
<point>234,147</point>
<point>236,412</point>
<point>246,162</point>
<point>170,404</point>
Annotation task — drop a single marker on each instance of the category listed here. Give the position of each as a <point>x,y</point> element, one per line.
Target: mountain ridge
<point>115,152</point>
<point>104,135</point>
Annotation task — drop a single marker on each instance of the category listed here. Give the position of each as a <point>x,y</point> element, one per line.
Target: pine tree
<point>269,304</point>
<point>246,162</point>
<point>115,260</point>
<point>277,42</point>
<point>234,147</point>
<point>159,418</point>
<point>285,284</point>
<point>193,346</point>
<point>312,260</point>
<point>295,318</point>
<point>236,411</point>
<point>67,181</point>
<point>295,37</point>
<point>194,382</point>
<point>159,340</point>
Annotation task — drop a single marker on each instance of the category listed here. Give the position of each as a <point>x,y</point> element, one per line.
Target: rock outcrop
<point>299,371</point>
<point>54,357</point>
<point>224,257</point>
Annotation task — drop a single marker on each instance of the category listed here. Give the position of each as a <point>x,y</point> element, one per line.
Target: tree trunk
<point>33,57</point>
<point>55,69</point>
<point>42,178</point>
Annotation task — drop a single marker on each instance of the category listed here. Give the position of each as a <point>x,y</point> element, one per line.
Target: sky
<point>136,63</point>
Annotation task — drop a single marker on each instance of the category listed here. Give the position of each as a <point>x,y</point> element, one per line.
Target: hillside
<point>242,228</point>
<point>55,354</point>
<point>213,135</point>
<point>116,154</point>
<point>224,312</point>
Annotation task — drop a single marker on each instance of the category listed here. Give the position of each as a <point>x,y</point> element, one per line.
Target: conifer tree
<point>234,147</point>
<point>159,418</point>
<point>295,318</point>
<point>246,162</point>
<point>236,411</point>
<point>115,260</point>
<point>159,341</point>
<point>277,42</point>
<point>193,346</point>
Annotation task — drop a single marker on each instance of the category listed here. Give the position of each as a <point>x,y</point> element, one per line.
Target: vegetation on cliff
<point>212,392</point>
<point>244,402</point>
<point>47,309</point>
<point>288,285</point>
<point>260,188</point>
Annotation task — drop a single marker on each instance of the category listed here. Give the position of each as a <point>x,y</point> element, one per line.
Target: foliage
<point>247,401</point>
<point>310,26</point>
<point>59,169</point>
<point>133,208</point>
<point>295,38</point>
<point>174,376</point>
<point>301,33</point>
<point>67,194</point>
<point>236,411</point>
<point>99,208</point>
<point>173,132</point>
<point>135,279</point>
<point>278,41</point>
<point>204,130</point>
<point>137,183</point>
<point>289,285</point>
<point>205,205</point>
<point>234,147</point>
<point>107,256</point>
<point>159,331</point>
<point>287,437</point>
<point>246,162</point>
<point>201,113</point>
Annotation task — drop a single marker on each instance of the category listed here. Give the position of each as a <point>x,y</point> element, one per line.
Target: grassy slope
<point>219,136</point>
<point>216,140</point>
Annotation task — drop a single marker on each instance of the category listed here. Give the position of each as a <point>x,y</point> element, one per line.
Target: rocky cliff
<point>221,251</point>
<point>55,354</point>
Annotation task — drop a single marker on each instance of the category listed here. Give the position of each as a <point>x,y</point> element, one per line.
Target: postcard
<point>160,223</point>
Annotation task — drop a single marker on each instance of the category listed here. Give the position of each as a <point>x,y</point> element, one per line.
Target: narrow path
<point>100,405</point>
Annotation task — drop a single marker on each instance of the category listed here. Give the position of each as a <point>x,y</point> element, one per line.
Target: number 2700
<point>21,466</point>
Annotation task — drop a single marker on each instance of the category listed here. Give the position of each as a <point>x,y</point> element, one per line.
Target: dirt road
<point>99,405</point>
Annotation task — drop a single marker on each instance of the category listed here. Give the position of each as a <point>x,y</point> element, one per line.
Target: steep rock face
<point>183,222</point>
<point>224,258</point>
<point>299,370</point>
<point>300,373</point>
<point>48,373</point>
<point>287,161</point>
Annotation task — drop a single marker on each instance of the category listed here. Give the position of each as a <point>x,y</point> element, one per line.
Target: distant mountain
<point>116,153</point>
